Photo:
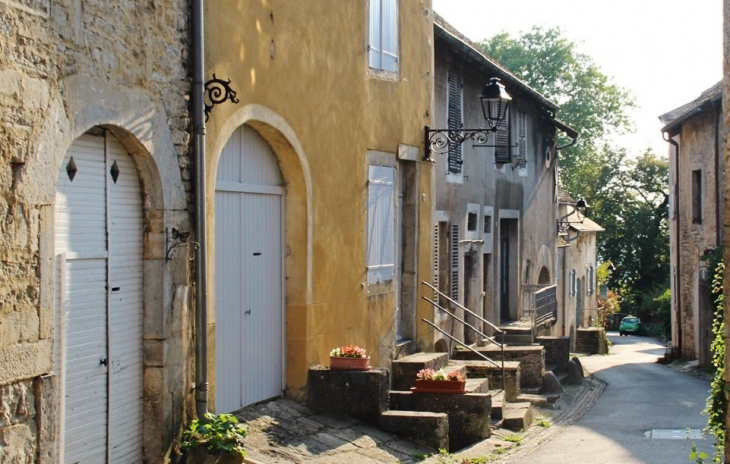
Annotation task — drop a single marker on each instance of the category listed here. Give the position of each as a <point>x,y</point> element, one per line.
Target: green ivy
<point>716,407</point>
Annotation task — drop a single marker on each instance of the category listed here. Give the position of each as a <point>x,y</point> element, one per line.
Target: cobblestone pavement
<point>283,431</point>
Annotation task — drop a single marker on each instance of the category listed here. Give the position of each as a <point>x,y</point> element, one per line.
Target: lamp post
<point>495,103</point>
<point>580,207</point>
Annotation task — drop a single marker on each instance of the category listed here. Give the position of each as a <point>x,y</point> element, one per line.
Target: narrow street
<point>642,399</point>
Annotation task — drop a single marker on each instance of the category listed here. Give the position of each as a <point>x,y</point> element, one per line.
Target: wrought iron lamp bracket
<point>218,91</point>
<point>174,239</point>
<point>440,140</point>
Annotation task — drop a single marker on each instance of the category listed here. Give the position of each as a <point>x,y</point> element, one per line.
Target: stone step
<point>405,369</point>
<point>469,413</point>
<point>497,404</point>
<point>531,359</point>
<point>487,370</point>
<point>542,401</point>
<point>425,428</point>
<point>517,339</point>
<point>517,416</point>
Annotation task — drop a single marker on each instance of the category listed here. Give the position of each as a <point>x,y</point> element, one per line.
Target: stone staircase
<point>445,420</point>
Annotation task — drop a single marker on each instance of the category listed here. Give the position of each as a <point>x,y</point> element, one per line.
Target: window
<point>521,139</point>
<point>590,280</point>
<point>572,283</point>
<point>487,224</point>
<point>501,140</point>
<point>381,224</point>
<point>383,40</point>
<point>454,117</point>
<point>697,197</point>
<point>471,224</point>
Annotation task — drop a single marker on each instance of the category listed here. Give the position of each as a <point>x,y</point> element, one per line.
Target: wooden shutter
<point>381,223</point>
<point>521,139</point>
<point>455,261</point>
<point>454,120</point>
<point>501,138</point>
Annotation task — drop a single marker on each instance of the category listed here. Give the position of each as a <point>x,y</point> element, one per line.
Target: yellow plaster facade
<point>301,73</point>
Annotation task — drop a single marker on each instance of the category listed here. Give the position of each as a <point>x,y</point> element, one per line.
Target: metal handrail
<point>457,304</point>
<point>501,332</point>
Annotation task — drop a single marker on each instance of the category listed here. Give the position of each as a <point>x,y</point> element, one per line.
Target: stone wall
<point>65,67</point>
<point>591,341</point>
<point>557,352</point>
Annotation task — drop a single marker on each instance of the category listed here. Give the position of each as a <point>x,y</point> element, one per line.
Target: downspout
<point>718,198</point>
<point>677,286</point>
<point>201,284</point>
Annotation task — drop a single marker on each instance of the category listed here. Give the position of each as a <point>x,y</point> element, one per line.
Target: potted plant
<point>431,381</point>
<point>218,439</point>
<point>349,357</point>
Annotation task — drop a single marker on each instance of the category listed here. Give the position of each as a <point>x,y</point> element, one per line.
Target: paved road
<point>640,396</point>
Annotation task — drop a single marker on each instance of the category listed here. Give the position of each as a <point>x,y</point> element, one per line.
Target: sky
<point>665,52</point>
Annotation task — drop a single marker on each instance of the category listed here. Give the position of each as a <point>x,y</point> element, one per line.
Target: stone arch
<point>545,264</point>
<point>294,168</point>
<point>141,126</point>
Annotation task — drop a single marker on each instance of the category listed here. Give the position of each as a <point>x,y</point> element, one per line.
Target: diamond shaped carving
<point>71,169</point>
<point>114,172</point>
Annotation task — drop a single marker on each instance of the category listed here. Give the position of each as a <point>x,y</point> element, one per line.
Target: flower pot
<point>349,364</point>
<point>439,386</point>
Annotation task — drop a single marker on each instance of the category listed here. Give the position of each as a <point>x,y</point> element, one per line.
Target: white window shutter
<point>381,224</point>
<point>522,138</point>
<point>390,35</point>
<point>375,47</point>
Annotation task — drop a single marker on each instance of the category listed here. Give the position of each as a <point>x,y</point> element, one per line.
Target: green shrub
<point>219,434</point>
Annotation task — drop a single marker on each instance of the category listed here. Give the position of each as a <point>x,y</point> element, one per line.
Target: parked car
<point>631,325</point>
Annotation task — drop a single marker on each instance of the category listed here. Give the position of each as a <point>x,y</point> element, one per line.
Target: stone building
<point>696,185</point>
<point>496,205</point>
<point>93,171</point>
<point>577,288</point>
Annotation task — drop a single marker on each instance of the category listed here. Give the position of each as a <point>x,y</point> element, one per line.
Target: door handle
<point>102,362</point>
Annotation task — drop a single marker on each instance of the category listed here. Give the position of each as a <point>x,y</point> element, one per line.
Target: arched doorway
<point>99,253</point>
<point>249,282</point>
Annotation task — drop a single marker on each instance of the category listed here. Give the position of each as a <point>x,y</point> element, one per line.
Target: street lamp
<point>580,207</point>
<point>495,104</point>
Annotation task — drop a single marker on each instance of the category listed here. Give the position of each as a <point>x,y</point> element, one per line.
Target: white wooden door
<point>249,273</point>
<point>99,355</point>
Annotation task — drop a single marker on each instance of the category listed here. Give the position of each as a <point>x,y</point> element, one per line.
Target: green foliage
<point>628,197</point>
<point>589,101</point>
<point>544,423</point>
<point>716,407</point>
<point>697,456</point>
<point>219,434</point>
<point>514,438</point>
<point>655,306</point>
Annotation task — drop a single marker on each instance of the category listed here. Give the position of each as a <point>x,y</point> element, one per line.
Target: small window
<point>487,224</point>
<point>521,139</point>
<point>383,40</point>
<point>697,197</point>
<point>472,222</point>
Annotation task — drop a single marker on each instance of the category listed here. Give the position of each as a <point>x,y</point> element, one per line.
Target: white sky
<point>666,52</point>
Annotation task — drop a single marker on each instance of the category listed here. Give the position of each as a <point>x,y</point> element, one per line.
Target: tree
<point>628,196</point>
<point>588,100</point>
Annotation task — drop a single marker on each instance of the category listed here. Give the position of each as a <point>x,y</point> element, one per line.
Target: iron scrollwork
<point>218,91</point>
<point>439,140</point>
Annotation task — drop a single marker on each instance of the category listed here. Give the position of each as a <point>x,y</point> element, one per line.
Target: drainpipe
<point>718,198</point>
<point>677,286</point>
<point>201,284</point>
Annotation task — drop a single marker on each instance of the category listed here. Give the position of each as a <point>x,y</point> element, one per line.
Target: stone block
<point>591,340</point>
<point>517,416</point>
<point>406,368</point>
<point>45,395</point>
<point>557,351</point>
<point>424,428</point>
<point>469,413</point>
<point>485,369</point>
<point>575,372</point>
<point>531,359</point>
<point>360,393</point>
<point>550,384</point>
